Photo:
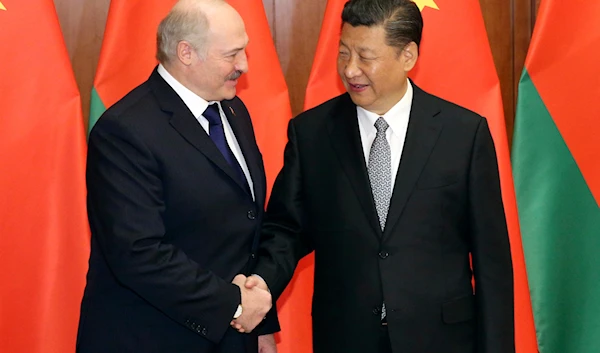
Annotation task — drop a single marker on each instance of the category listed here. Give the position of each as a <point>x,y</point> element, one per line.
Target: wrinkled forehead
<point>224,38</point>
<point>362,37</point>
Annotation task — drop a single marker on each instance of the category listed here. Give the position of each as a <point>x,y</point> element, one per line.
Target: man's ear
<point>185,52</point>
<point>410,54</point>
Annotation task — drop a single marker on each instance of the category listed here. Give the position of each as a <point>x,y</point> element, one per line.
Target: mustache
<point>234,75</point>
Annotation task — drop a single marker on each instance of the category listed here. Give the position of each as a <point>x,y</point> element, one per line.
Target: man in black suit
<point>395,190</point>
<point>176,189</point>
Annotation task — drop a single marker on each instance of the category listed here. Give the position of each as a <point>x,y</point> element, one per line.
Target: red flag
<point>263,88</point>
<point>127,58</point>
<point>44,235</point>
<point>455,63</point>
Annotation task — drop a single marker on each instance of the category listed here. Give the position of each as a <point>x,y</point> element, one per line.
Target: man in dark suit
<point>176,189</point>
<point>395,190</point>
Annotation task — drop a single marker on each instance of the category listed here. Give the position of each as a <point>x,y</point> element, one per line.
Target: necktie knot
<point>212,114</point>
<point>381,125</point>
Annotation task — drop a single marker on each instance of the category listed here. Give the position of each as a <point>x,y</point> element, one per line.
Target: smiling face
<point>373,72</point>
<point>214,74</point>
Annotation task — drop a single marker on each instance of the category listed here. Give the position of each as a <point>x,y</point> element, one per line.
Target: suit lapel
<point>421,136</point>
<point>187,126</point>
<point>241,135</point>
<point>346,142</point>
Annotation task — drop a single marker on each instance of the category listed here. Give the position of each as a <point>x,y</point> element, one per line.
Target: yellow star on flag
<point>2,7</point>
<point>429,3</point>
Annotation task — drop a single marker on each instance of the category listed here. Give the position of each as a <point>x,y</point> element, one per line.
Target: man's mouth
<point>356,87</point>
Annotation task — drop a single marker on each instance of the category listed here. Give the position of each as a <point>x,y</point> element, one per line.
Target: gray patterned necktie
<point>380,176</point>
<point>380,171</point>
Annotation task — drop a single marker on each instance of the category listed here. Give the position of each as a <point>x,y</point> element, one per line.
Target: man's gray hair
<point>184,22</point>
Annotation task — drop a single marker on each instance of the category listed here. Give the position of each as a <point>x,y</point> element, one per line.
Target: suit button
<point>193,325</point>
<point>204,331</point>
<point>384,254</point>
<point>253,256</point>
<point>376,311</point>
<point>251,215</point>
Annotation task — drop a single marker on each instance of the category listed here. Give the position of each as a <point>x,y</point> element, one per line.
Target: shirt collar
<point>396,117</point>
<point>196,104</point>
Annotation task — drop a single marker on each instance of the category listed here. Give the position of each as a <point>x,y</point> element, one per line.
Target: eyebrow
<point>238,49</point>
<point>235,50</point>
<point>361,50</point>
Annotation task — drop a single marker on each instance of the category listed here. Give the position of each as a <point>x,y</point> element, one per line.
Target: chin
<point>230,94</point>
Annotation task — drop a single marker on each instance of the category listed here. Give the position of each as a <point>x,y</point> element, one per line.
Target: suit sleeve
<point>283,242</point>
<point>126,208</point>
<point>492,263</point>
<point>270,324</point>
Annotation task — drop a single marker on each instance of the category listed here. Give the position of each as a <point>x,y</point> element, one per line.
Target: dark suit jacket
<point>446,205</point>
<point>171,226</point>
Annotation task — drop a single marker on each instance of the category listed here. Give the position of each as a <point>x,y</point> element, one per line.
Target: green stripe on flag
<point>96,109</point>
<point>560,227</point>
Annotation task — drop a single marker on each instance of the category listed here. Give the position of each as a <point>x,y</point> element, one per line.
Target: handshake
<point>256,302</point>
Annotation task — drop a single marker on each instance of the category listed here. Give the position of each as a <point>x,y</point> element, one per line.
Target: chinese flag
<point>44,235</point>
<point>455,63</point>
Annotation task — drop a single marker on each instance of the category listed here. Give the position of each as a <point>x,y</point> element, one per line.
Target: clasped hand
<point>256,302</point>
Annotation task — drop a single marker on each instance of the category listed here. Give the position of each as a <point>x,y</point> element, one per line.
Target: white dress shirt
<point>197,106</point>
<point>397,119</point>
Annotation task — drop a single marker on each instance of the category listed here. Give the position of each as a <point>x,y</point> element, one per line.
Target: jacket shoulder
<point>448,111</point>
<point>324,111</point>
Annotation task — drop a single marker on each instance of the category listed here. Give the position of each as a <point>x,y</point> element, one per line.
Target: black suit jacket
<point>446,205</point>
<point>171,226</point>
